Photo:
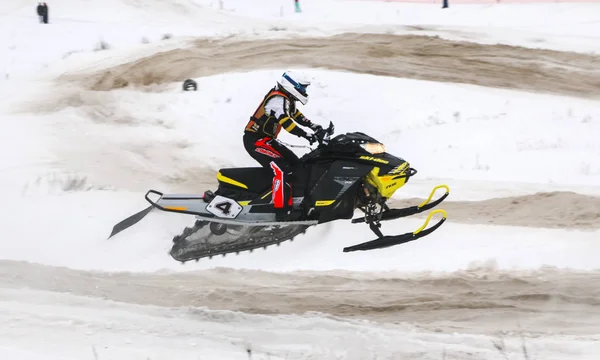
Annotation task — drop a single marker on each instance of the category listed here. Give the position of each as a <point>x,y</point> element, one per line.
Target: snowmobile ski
<point>392,240</point>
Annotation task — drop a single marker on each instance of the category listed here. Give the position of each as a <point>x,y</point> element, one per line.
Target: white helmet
<point>295,84</point>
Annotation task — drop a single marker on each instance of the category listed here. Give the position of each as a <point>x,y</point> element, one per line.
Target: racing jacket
<point>277,111</point>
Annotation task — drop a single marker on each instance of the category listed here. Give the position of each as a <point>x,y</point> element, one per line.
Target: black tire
<point>189,83</point>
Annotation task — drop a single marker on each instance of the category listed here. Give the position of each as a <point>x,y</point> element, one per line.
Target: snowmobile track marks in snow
<point>409,56</point>
<point>557,209</point>
<point>483,299</point>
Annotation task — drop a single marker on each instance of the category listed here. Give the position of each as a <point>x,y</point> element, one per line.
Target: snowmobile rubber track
<point>186,248</point>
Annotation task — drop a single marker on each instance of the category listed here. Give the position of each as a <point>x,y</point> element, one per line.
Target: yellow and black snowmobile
<point>344,173</point>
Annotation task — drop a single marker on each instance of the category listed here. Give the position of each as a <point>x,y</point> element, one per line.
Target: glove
<point>311,138</point>
<point>331,128</point>
<point>316,127</point>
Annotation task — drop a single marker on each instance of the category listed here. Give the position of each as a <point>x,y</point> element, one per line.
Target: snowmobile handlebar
<point>323,135</point>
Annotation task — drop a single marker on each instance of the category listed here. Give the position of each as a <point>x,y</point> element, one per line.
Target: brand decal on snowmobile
<point>399,169</point>
<point>365,157</point>
<point>346,182</point>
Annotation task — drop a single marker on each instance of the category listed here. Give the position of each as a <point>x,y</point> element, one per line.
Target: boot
<point>282,214</point>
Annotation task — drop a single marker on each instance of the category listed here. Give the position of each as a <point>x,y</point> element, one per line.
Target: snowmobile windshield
<point>374,148</point>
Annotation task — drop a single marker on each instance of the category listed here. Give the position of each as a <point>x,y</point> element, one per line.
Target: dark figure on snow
<point>39,10</point>
<point>43,12</point>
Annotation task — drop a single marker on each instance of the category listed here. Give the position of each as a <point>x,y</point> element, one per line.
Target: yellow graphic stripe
<point>428,219</point>
<point>267,194</point>
<point>324,202</point>
<point>227,180</point>
<point>432,193</point>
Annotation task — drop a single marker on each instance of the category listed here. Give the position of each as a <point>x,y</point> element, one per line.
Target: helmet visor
<point>298,86</point>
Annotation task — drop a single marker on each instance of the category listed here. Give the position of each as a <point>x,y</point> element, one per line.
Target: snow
<point>77,162</point>
<point>83,27</point>
<point>112,147</point>
<point>75,327</point>
<point>470,130</point>
<point>80,242</point>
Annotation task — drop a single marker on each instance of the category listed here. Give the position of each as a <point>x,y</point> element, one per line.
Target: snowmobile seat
<point>253,179</point>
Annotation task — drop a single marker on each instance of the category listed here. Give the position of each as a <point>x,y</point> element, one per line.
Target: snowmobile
<point>342,174</point>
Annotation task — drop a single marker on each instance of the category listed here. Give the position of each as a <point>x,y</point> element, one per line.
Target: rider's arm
<point>279,108</point>
<point>304,121</point>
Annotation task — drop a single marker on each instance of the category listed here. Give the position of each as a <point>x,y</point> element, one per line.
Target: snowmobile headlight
<point>374,148</point>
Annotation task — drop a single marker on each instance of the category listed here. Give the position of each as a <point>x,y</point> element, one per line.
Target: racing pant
<point>271,154</point>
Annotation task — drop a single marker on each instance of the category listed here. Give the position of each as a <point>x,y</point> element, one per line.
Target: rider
<point>278,110</point>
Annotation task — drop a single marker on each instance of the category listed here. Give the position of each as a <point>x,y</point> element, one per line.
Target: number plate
<point>224,207</point>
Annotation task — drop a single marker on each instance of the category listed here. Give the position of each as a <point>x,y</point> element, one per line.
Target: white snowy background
<point>69,173</point>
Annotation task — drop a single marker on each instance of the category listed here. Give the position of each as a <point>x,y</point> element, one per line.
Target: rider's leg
<point>269,153</point>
